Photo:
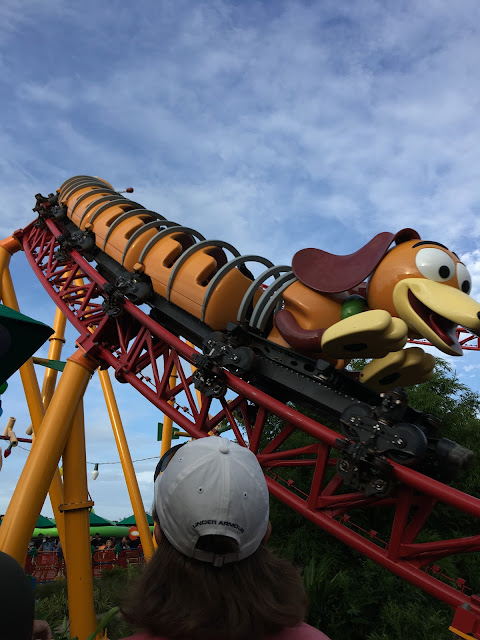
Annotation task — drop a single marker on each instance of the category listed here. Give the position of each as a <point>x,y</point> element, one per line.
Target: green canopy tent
<point>20,337</point>
<point>44,523</point>
<point>100,525</point>
<point>99,521</point>
<point>131,520</point>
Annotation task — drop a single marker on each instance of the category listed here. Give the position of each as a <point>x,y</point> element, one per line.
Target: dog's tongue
<point>435,322</point>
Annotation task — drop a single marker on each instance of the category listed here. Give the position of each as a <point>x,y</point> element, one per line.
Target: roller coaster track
<point>468,341</point>
<point>143,353</point>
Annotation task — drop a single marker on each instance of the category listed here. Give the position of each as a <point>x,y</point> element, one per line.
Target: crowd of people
<point>98,543</point>
<point>47,543</point>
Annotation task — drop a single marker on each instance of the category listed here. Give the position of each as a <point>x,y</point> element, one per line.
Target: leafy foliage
<point>51,603</point>
<point>350,596</point>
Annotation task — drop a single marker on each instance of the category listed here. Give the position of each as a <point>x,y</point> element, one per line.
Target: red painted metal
<point>468,341</point>
<point>142,353</point>
<point>46,568</point>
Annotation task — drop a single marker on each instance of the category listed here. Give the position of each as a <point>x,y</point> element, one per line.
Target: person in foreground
<point>18,605</point>
<point>212,576</point>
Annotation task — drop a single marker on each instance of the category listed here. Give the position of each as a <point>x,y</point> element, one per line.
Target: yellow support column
<point>167,422</point>
<point>37,474</point>
<point>127,466</point>
<point>76,511</point>
<point>57,340</point>
<point>8,246</point>
<point>167,430</point>
<point>35,406</point>
<point>194,368</point>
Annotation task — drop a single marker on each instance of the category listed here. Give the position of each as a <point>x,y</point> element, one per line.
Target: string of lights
<point>119,461</point>
<point>96,464</point>
<point>95,471</point>
<point>185,410</point>
<point>113,462</point>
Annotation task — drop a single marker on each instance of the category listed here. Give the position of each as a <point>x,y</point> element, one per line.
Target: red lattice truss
<point>466,340</point>
<point>143,354</point>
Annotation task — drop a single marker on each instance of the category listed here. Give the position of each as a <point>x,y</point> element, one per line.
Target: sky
<point>273,125</point>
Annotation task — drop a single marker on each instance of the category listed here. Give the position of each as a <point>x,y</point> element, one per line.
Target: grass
<point>51,602</point>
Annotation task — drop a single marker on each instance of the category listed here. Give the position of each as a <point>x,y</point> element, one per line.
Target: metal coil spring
<point>258,316</point>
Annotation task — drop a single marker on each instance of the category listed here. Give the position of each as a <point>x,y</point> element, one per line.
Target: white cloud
<point>272,126</point>
<point>472,261</point>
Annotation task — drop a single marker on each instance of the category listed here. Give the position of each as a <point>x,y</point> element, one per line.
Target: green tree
<point>350,596</point>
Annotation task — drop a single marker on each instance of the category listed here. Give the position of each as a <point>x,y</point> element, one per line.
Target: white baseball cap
<point>213,486</point>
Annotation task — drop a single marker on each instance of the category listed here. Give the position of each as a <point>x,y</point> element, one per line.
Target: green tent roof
<point>131,520</point>
<point>20,337</point>
<point>98,520</point>
<point>44,523</point>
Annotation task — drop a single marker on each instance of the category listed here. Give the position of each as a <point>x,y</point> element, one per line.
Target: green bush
<point>51,602</point>
<point>350,596</point>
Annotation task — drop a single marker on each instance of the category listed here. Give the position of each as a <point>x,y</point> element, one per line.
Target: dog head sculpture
<point>419,281</point>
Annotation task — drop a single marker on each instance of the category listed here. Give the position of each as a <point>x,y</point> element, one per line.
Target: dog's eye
<point>435,264</point>
<point>464,278</point>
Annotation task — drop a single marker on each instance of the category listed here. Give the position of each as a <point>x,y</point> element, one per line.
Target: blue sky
<point>272,125</point>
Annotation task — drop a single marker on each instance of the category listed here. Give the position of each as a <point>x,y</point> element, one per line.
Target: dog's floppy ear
<point>328,273</point>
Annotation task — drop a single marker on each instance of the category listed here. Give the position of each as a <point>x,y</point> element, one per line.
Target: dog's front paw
<point>371,334</point>
<point>401,369</point>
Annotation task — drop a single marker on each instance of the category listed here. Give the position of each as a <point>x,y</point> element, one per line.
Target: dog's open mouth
<point>445,329</point>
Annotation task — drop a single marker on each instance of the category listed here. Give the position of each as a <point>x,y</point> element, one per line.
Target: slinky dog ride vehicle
<point>364,305</point>
<point>291,330</point>
<point>137,287</point>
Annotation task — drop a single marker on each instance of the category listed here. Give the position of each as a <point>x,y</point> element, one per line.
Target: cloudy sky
<point>273,125</point>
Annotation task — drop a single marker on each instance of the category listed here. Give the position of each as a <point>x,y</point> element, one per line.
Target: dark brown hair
<point>183,598</point>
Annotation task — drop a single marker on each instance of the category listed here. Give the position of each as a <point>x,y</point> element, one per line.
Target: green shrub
<point>51,602</point>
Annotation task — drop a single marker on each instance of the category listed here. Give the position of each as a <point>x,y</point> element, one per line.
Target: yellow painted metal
<point>8,246</point>
<point>5,256</point>
<point>167,422</point>
<point>57,340</point>
<point>4,262</point>
<point>76,514</point>
<point>460,634</point>
<point>35,407</point>
<point>167,430</point>
<point>199,395</point>
<point>127,465</point>
<point>37,474</point>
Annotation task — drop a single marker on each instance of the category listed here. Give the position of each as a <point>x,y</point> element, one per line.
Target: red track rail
<point>143,354</point>
<point>468,341</point>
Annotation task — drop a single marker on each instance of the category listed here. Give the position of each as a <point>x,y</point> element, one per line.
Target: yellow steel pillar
<point>8,246</point>
<point>35,407</point>
<point>57,340</point>
<point>167,429</point>
<point>199,395</point>
<point>127,466</point>
<point>37,474</point>
<point>76,511</point>
<point>167,422</point>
